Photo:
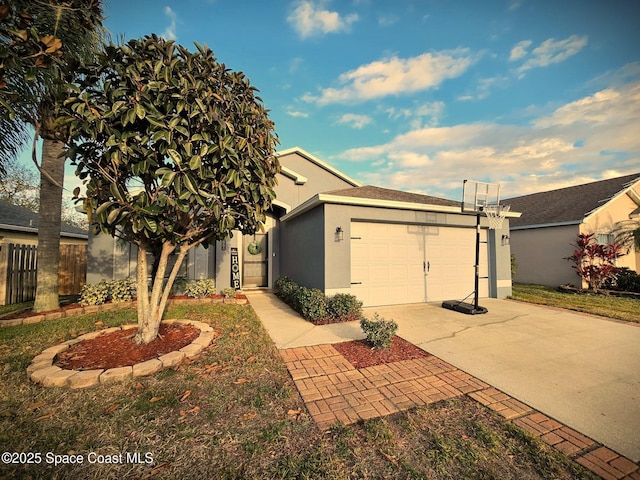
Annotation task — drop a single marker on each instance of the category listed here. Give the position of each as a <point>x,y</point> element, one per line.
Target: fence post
<point>3,274</point>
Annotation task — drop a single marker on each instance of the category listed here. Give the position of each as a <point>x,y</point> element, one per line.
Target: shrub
<point>379,332</point>
<point>594,263</point>
<point>313,304</point>
<point>627,280</point>
<point>121,290</point>
<point>285,289</point>
<point>230,292</point>
<point>344,307</point>
<point>200,288</point>
<point>94,293</point>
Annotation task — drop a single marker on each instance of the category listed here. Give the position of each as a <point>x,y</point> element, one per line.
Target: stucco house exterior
<point>546,232</point>
<point>328,231</point>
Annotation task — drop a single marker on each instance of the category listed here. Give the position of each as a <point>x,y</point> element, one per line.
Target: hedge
<point>315,306</point>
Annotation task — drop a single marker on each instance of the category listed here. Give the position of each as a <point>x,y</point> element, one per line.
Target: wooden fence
<point>18,266</point>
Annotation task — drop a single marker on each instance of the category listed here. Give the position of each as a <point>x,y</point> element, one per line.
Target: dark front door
<point>255,264</point>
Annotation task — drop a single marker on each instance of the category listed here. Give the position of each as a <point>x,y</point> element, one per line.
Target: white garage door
<point>395,264</point>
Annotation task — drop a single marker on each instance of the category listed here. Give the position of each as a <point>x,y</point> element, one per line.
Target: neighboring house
<point>327,231</point>
<point>546,232</point>
<point>19,225</point>
<point>18,238</point>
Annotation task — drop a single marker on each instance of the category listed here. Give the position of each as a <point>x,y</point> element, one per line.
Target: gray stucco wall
<point>319,180</point>
<point>302,244</point>
<point>540,255</point>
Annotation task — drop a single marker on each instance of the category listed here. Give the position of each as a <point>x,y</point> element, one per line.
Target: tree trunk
<point>49,226</point>
<point>151,308</point>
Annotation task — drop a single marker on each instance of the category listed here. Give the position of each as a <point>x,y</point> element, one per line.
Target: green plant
<point>94,293</point>
<point>121,290</point>
<point>179,285</point>
<point>514,265</point>
<point>344,307</point>
<point>313,304</point>
<point>379,332</point>
<point>230,292</point>
<point>193,133</point>
<point>200,288</point>
<point>285,289</point>
<point>627,280</point>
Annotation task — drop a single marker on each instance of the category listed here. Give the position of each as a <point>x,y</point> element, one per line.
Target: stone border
<point>43,371</point>
<point>73,312</point>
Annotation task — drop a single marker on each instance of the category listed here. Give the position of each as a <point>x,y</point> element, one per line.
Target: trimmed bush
<point>200,288</point>
<point>315,306</point>
<point>230,292</point>
<point>379,332</point>
<point>94,293</point>
<point>344,307</point>
<point>627,280</point>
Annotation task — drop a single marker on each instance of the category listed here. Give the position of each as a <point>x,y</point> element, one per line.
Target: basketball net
<point>496,213</point>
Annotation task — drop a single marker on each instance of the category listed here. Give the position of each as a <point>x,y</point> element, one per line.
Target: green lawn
<point>608,306</point>
<point>241,418</point>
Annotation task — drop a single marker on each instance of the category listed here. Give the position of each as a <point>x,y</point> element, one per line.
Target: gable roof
<point>386,194</point>
<point>14,217</point>
<point>568,205</point>
<point>325,166</point>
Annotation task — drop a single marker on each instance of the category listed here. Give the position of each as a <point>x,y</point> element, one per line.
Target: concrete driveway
<point>580,369</point>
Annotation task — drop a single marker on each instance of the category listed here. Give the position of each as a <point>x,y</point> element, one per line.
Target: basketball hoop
<point>496,213</point>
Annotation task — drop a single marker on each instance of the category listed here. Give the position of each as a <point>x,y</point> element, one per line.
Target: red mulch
<point>117,349</point>
<point>360,354</point>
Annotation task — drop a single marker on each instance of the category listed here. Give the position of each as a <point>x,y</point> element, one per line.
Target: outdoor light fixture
<point>339,234</point>
<point>506,240</point>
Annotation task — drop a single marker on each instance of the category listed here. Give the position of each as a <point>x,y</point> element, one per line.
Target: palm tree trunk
<point>49,226</point>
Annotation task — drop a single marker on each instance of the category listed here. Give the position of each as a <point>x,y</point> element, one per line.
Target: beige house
<point>546,232</point>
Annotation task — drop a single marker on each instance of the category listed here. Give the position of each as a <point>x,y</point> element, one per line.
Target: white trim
<point>545,225</point>
<point>606,201</point>
<point>296,177</point>
<point>278,203</point>
<point>319,163</point>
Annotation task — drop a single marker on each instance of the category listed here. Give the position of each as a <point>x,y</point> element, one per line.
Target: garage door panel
<point>388,260</point>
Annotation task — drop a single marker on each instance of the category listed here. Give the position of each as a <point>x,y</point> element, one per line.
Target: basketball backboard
<point>476,195</point>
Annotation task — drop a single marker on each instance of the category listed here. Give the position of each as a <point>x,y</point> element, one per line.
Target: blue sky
<point>419,95</point>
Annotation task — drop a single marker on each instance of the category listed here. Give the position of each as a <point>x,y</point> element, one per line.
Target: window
<point>605,238</point>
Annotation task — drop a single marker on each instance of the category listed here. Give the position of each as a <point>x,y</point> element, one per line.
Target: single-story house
<point>546,232</point>
<point>18,238</point>
<point>328,231</point>
<point>19,225</point>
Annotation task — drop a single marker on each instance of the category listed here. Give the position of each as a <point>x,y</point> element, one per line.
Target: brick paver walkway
<point>334,391</point>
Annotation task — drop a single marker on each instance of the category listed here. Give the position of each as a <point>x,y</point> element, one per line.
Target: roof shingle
<point>570,204</point>
<point>379,193</point>
<point>16,216</point>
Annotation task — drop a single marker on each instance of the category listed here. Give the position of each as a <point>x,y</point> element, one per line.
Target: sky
<point>419,95</point>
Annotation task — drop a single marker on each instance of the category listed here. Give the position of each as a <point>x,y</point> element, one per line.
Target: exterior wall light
<point>339,234</point>
<point>506,240</point>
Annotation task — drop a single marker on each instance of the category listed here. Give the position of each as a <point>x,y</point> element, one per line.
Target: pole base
<point>462,307</point>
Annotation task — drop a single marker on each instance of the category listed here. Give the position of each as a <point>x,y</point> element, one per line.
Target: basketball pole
<point>477,265</point>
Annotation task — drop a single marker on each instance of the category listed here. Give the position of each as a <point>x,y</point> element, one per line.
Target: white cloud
<point>387,20</point>
<point>519,50</point>
<point>552,51</point>
<point>596,135</point>
<point>484,87</point>
<point>309,19</point>
<point>395,76</point>
<point>297,114</point>
<point>170,32</point>
<point>355,121</point>
<point>429,112</point>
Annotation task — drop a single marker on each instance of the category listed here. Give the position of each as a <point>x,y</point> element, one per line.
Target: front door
<point>255,257</point>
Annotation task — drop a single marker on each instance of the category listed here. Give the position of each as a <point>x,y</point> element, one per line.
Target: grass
<point>18,307</point>
<point>226,429</point>
<point>608,306</point>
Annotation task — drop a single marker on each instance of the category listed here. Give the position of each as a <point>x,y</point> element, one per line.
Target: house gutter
<point>323,198</point>
<point>545,225</point>
<point>16,228</point>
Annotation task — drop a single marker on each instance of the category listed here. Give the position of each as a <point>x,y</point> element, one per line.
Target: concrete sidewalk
<point>582,370</point>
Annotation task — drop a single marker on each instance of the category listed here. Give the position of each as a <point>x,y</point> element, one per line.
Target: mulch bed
<point>117,349</point>
<point>360,354</point>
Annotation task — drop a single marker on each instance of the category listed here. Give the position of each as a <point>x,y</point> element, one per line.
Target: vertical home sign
<point>235,269</point>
